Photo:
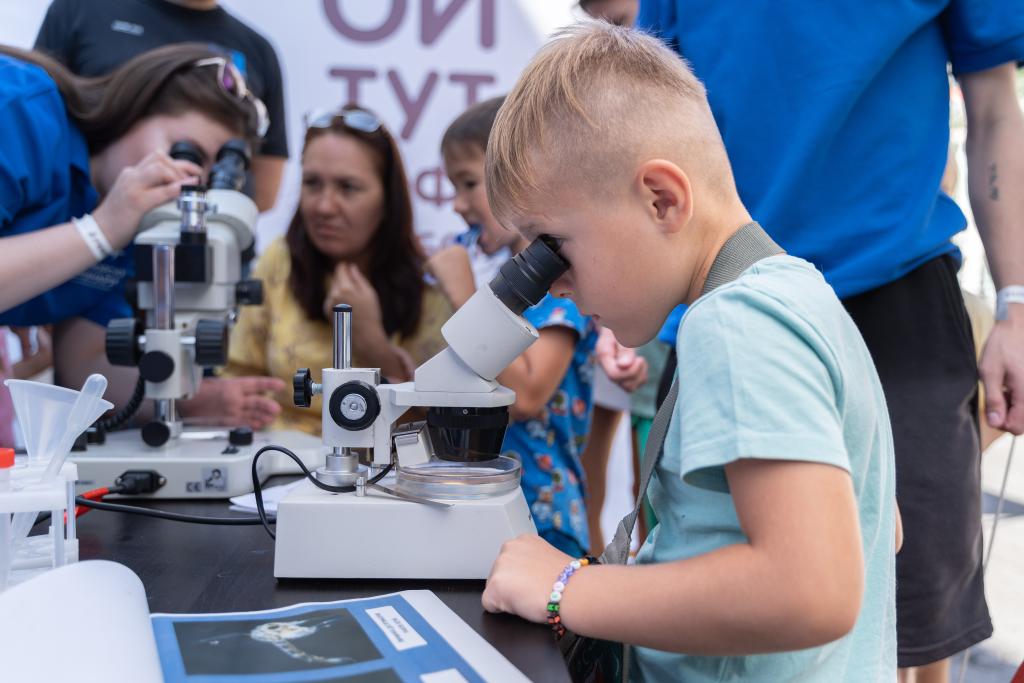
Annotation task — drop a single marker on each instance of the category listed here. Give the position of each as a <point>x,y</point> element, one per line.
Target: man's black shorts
<point>919,335</point>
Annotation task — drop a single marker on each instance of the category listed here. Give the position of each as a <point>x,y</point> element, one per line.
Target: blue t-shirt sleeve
<point>658,17</point>
<point>981,34</point>
<point>552,312</point>
<point>25,157</point>
<point>762,384</point>
<point>112,305</point>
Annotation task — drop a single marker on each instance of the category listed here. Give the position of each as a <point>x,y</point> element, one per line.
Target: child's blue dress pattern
<point>549,445</point>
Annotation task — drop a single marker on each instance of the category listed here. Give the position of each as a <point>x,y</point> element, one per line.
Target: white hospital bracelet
<point>1012,294</point>
<point>93,236</point>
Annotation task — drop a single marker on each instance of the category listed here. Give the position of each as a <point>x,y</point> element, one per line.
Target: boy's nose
<point>459,204</point>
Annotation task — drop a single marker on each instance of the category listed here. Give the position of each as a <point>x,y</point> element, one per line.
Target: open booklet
<point>90,622</point>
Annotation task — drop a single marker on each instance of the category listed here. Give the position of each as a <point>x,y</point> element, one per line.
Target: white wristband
<point>1012,294</point>
<point>93,236</point>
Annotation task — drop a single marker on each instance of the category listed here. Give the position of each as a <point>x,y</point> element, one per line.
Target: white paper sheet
<point>271,496</point>
<point>87,621</point>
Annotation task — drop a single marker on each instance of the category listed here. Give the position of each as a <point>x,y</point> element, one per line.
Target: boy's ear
<point>667,192</point>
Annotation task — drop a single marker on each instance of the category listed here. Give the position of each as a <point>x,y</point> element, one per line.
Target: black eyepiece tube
<point>232,162</point>
<point>187,151</point>
<point>524,279</point>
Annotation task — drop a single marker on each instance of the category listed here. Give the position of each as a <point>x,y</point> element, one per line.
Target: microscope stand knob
<point>302,383</point>
<point>122,341</point>
<point>211,343</point>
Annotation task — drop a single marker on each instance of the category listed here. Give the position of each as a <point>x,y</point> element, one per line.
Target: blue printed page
<point>408,637</point>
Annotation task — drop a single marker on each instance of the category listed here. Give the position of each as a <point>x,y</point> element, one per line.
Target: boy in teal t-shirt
<point>774,554</point>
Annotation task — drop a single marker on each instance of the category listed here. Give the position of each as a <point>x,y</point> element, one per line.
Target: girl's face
<point>158,133</point>
<point>465,169</point>
<point>342,199</point>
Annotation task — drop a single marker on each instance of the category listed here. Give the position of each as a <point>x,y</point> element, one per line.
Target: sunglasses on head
<point>233,83</point>
<point>362,120</point>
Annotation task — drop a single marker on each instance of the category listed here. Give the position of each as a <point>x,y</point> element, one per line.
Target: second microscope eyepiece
<point>524,279</point>
<point>232,163</point>
<point>187,151</point>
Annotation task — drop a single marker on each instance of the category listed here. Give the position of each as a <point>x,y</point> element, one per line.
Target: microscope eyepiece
<point>187,151</point>
<point>232,163</point>
<point>524,279</point>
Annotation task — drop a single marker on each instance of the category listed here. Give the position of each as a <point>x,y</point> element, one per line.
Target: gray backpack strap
<point>747,246</point>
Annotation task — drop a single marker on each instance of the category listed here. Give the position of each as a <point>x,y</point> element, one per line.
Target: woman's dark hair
<point>161,81</point>
<point>472,127</point>
<point>396,259</point>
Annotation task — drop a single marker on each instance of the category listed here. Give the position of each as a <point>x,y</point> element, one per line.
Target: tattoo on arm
<point>993,189</point>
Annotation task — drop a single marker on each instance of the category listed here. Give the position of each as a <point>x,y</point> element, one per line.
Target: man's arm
<point>995,163</point>
<point>266,175</point>
<point>796,583</point>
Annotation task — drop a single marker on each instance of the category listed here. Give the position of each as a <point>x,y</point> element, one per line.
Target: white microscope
<point>449,499</point>
<point>188,259</point>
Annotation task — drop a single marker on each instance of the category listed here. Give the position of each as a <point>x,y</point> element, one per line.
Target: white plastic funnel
<point>51,418</point>
<point>44,413</point>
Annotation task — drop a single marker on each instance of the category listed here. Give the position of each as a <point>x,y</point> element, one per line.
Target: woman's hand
<point>454,273</point>
<point>350,286</point>
<point>235,401</point>
<point>154,180</point>
<point>522,576</point>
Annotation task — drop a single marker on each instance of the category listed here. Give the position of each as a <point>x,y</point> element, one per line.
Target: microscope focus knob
<point>302,383</point>
<point>249,293</point>
<point>354,405</point>
<point>156,366</point>
<point>122,341</point>
<point>211,343</point>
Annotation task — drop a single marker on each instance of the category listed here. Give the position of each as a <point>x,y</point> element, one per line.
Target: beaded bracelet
<point>554,604</point>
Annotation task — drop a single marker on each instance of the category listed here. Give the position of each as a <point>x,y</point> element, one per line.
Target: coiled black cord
<point>257,486</point>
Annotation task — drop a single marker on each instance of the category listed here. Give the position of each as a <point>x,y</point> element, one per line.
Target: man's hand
<point>522,576</point>
<point>34,357</point>
<point>1002,371</point>
<point>622,365</point>
<point>235,401</point>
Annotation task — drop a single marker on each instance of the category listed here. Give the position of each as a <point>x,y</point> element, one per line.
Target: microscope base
<point>377,536</point>
<point>191,463</point>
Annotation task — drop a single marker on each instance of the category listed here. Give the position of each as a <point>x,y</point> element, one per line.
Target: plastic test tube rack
<point>59,546</point>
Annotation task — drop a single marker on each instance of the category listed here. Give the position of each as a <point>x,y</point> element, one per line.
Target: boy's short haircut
<point>593,102</point>
<point>472,128</point>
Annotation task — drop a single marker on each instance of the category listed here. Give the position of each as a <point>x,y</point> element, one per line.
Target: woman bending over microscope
<point>81,161</point>
<point>351,241</point>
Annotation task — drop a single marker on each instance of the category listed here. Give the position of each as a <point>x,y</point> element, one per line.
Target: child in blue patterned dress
<point>553,378</point>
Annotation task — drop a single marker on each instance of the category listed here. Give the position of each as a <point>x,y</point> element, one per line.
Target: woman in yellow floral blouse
<point>351,241</point>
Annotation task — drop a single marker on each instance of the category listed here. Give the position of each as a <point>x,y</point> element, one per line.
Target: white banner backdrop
<point>417,63</point>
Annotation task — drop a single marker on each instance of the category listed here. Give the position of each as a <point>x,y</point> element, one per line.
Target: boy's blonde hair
<point>594,102</point>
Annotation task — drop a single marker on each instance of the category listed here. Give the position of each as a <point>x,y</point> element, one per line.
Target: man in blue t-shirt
<point>836,120</point>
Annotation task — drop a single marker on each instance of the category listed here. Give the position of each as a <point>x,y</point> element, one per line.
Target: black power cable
<point>257,486</point>
<point>163,514</point>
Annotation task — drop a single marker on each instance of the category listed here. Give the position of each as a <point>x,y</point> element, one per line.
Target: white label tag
<point>446,676</point>
<point>396,628</point>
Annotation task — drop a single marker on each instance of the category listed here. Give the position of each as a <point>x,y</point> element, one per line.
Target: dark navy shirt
<point>44,181</point>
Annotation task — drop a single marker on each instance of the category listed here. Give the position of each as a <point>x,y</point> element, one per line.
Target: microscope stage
<point>197,464</point>
<point>378,536</point>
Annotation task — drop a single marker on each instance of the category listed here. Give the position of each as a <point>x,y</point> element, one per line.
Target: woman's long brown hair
<point>161,81</point>
<point>396,258</point>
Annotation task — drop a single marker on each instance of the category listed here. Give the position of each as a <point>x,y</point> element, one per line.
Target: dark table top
<point>205,568</point>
